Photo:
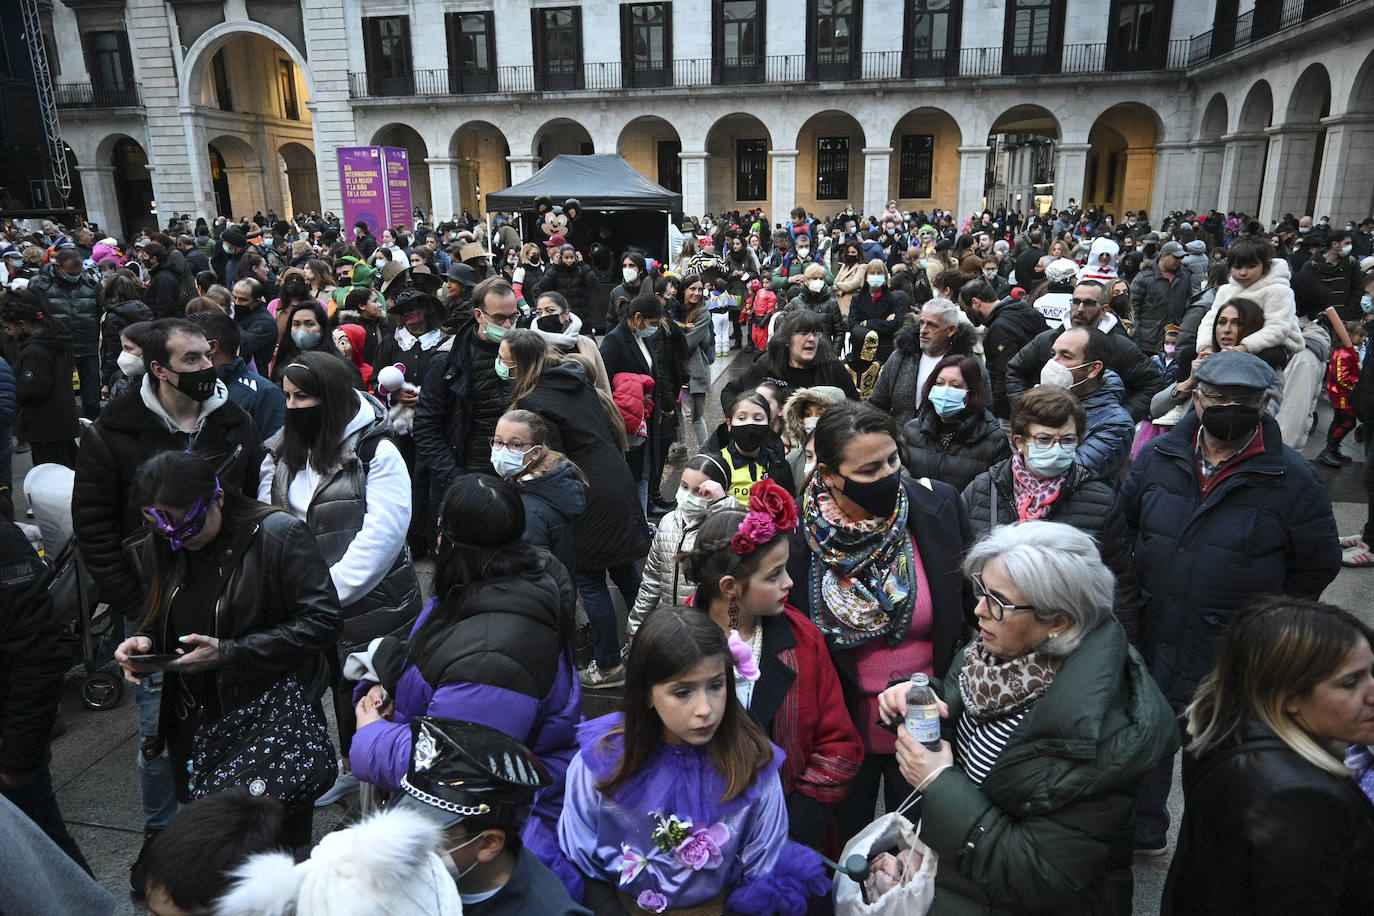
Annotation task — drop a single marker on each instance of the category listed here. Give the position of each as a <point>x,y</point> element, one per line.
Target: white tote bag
<point>914,895</point>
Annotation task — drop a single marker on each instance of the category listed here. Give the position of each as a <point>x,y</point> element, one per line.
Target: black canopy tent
<point>620,206</point>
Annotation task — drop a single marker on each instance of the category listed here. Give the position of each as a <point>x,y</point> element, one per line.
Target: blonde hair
<point>814,270</point>
<point>1275,651</point>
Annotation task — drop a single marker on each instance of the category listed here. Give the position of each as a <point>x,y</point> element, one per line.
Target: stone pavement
<point>93,763</point>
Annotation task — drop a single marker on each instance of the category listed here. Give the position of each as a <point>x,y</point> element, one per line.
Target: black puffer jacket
<point>118,316</point>
<point>1085,502</point>
<point>74,300</point>
<point>579,284</point>
<point>1265,833</point>
<point>32,659</point>
<point>447,406</point>
<point>43,373</point>
<point>872,313</point>
<point>611,530</point>
<point>553,501</point>
<point>276,611</point>
<point>978,443</point>
<point>1011,326</point>
<point>126,435</point>
<point>164,291</point>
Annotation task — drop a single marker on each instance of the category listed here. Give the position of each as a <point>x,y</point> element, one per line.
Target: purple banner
<point>362,180</point>
<point>397,168</point>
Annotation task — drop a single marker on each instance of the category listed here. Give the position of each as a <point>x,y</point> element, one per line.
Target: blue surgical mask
<point>1050,460</point>
<point>306,340</point>
<point>947,400</point>
<point>876,280</point>
<point>1367,305</point>
<point>506,462</point>
<point>647,332</point>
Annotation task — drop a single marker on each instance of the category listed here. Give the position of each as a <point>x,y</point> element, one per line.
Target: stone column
<point>1343,189</point>
<point>1242,172</point>
<point>102,206</point>
<point>444,190</point>
<point>693,181</point>
<point>784,196</point>
<point>522,167</point>
<point>1175,180</point>
<point>1288,173</point>
<point>1070,171</point>
<point>973,164</point>
<point>155,51</point>
<point>877,177</point>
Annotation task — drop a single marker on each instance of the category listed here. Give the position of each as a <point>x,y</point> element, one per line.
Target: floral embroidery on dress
<point>678,844</point>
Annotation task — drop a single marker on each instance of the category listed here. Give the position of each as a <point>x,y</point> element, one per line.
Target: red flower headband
<point>771,510</point>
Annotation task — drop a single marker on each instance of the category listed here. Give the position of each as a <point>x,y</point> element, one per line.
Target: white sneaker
<point>345,785</point>
<point>593,678</point>
<point>1354,540</point>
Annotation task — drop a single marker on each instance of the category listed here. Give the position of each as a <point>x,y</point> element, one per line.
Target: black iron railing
<point>88,95</point>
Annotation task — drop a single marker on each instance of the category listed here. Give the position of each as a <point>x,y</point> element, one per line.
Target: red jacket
<point>633,394</point>
<point>1342,373</point>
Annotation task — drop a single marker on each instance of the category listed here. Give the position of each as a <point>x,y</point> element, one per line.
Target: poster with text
<point>397,166</point>
<point>362,180</point>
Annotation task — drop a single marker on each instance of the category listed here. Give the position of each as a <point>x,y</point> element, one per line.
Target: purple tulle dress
<point>666,839</point>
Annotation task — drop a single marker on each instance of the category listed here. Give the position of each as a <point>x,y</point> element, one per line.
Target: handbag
<point>916,892</point>
<point>276,744</point>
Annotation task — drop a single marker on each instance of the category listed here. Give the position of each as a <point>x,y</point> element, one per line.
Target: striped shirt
<point>980,743</point>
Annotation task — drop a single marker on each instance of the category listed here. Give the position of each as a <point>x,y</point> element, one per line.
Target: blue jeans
<point>596,598</point>
<point>154,769</point>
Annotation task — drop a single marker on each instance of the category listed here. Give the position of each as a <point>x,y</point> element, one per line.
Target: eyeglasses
<point>1084,303</point>
<point>1217,399</point>
<point>515,445</point>
<point>1045,441</point>
<point>504,321</point>
<point>997,607</point>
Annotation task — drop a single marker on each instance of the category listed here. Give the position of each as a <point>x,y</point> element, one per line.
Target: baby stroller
<point>87,628</point>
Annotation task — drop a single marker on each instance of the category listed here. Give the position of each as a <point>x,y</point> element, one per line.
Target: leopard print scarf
<point>994,689</point>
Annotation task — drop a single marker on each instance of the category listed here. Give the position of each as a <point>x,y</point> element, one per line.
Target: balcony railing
<point>776,68</point>
<point>86,95</point>
<point>1227,37</point>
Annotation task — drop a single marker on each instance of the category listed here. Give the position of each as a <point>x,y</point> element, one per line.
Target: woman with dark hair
<point>46,414</point>
<point>239,593</point>
<point>319,278</point>
<point>610,535</point>
<point>493,646</point>
<point>849,274</point>
<point>1279,791</point>
<point>697,340</point>
<point>783,672</point>
<point>674,803</point>
<point>799,355</point>
<point>749,448</point>
<point>333,465</point>
<point>308,331</point>
<point>875,564</point>
<point>552,488</point>
<point>1235,321</point>
<point>123,299</point>
<point>295,290</point>
<point>954,437</point>
<point>665,583</point>
<point>133,340</point>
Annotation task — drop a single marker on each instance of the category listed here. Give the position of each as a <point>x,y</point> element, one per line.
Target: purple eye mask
<point>178,533</point>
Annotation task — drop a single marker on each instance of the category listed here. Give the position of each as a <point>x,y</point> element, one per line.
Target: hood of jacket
<point>567,376</point>
<point>1102,245</point>
<point>131,310</point>
<point>559,489</point>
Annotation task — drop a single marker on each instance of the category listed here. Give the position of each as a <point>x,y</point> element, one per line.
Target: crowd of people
<point>1048,462</point>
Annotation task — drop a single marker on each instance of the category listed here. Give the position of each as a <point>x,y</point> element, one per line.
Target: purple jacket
<point>381,750</point>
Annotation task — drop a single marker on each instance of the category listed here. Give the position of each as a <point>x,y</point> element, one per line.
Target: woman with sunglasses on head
<point>239,600</point>
<point>1051,721</point>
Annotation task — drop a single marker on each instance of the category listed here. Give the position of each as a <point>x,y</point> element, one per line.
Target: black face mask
<point>305,421</point>
<point>550,324</point>
<point>1120,301</point>
<point>1229,422</point>
<point>878,498</point>
<point>198,385</point>
<point>749,437</point>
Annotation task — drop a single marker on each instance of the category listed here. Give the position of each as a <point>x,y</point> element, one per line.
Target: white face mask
<point>130,365</point>
<point>815,285</point>
<point>629,273</point>
<point>1054,373</point>
<point>803,252</point>
<point>809,424</point>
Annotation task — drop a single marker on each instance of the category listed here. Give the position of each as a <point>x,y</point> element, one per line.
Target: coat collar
<point>775,678</point>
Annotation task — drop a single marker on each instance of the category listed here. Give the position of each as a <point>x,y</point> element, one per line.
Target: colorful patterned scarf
<point>862,573</point>
<point>1033,496</point>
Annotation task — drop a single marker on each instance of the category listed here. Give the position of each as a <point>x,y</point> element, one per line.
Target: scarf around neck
<point>994,689</point>
<point>862,573</point>
<point>1033,496</point>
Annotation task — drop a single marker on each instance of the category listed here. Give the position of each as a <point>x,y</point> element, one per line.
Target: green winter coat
<point>75,301</point>
<point>1049,830</point>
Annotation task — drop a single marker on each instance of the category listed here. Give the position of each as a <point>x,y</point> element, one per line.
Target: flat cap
<point>1234,369</point>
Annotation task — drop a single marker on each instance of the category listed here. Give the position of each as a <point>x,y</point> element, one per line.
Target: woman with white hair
<point>1054,719</point>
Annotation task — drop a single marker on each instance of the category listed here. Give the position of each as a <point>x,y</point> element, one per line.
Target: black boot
<point>138,874</point>
<point>1329,458</point>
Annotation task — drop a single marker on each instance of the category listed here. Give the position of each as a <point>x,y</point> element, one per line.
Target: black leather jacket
<point>276,611</point>
<point>1266,832</point>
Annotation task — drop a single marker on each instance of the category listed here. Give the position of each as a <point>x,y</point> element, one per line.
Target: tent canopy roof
<point>605,182</point>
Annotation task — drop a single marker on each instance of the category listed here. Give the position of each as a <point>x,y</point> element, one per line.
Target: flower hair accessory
<point>771,511</point>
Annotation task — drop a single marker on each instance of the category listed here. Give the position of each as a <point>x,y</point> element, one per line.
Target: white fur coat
<point>1274,295</point>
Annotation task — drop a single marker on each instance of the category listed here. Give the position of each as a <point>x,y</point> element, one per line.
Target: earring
<point>734,614</point>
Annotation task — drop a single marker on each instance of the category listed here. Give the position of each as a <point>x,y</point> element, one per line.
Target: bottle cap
<point>920,679</point>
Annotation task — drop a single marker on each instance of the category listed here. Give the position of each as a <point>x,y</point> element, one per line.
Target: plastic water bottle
<point>923,712</point>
